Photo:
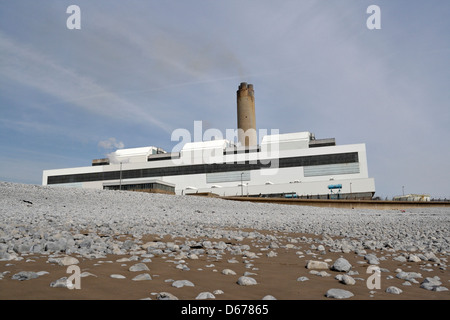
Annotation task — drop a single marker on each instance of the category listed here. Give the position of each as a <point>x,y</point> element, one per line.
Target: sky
<point>137,70</point>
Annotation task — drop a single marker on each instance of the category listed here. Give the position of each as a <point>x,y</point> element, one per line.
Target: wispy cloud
<point>111,143</point>
<point>24,65</point>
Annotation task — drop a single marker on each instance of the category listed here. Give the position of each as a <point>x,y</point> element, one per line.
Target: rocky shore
<point>131,245</point>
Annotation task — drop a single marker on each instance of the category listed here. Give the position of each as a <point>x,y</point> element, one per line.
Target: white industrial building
<point>287,165</point>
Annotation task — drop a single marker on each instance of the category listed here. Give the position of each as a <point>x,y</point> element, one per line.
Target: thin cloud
<point>26,66</point>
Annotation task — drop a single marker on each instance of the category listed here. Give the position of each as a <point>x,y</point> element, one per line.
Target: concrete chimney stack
<point>246,121</point>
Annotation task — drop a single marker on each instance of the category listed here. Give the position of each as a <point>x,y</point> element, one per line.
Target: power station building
<point>282,165</point>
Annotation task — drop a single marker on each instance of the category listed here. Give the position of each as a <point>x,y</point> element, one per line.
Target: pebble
<point>246,281</point>
<point>143,276</point>
<point>182,283</point>
<point>400,259</point>
<point>139,267</point>
<point>393,290</point>
<point>433,284</point>
<point>346,279</point>
<point>410,276</point>
<point>323,273</point>
<point>117,276</point>
<point>165,296</point>
<point>25,275</point>
<point>182,267</point>
<point>341,264</point>
<point>311,264</point>
<point>271,254</point>
<point>60,283</point>
<point>414,258</point>
<point>205,295</point>
<point>87,274</point>
<point>228,272</point>
<point>193,256</point>
<point>371,259</point>
<point>338,294</point>
<point>67,261</point>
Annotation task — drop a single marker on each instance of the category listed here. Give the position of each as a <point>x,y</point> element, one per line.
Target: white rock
<point>431,283</point>
<point>371,258</point>
<point>182,283</point>
<point>341,264</point>
<point>323,273</point>
<point>25,275</point>
<point>338,294</point>
<point>166,296</point>
<point>139,267</point>
<point>346,279</point>
<point>228,272</point>
<point>400,259</point>
<point>87,274</point>
<point>408,275</point>
<point>302,279</point>
<point>60,283</point>
<point>246,281</point>
<point>393,290</point>
<point>142,276</point>
<point>413,258</point>
<point>67,261</point>
<point>272,254</point>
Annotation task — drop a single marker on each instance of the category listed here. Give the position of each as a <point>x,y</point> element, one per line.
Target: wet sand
<point>276,276</point>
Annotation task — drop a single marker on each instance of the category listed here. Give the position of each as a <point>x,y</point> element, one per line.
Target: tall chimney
<point>246,121</point>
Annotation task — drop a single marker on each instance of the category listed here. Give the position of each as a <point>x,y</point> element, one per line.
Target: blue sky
<point>137,70</point>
